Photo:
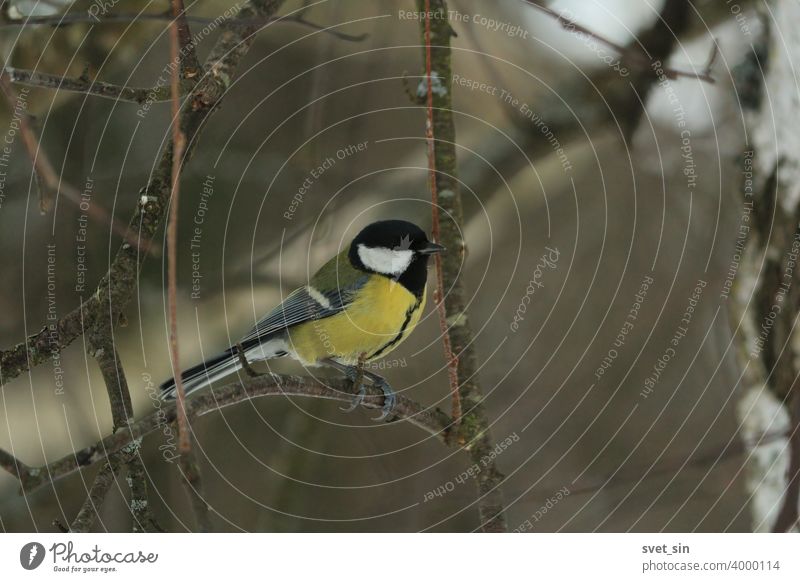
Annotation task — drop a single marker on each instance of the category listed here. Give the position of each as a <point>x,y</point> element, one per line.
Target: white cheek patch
<point>385,261</point>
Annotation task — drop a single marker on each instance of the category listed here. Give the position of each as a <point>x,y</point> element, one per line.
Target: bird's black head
<point>396,249</point>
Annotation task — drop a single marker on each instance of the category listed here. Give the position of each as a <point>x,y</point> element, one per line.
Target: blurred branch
<point>790,511</point>
<point>474,427</point>
<point>432,421</point>
<point>128,17</point>
<point>639,60</point>
<point>85,85</point>
<point>47,180</point>
<point>608,98</point>
<point>765,302</point>
<point>117,286</point>
<point>99,315</point>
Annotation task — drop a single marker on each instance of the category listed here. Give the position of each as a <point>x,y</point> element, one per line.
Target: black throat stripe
<point>399,336</point>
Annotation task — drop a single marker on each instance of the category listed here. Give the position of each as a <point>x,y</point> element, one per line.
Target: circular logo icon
<point>31,555</point>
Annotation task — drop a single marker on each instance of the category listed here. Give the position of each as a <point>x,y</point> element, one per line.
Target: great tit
<point>357,308</point>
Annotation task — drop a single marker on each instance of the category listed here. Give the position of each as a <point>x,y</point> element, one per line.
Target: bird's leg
<point>356,375</point>
<point>243,361</point>
<point>389,395</point>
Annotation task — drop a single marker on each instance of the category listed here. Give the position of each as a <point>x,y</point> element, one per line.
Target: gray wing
<point>304,304</point>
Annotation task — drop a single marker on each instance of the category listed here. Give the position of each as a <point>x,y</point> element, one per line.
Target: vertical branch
<point>438,297</point>
<point>143,519</point>
<point>116,385</point>
<point>766,297</point>
<point>181,43</point>
<point>474,428</point>
<point>789,511</point>
<point>178,146</point>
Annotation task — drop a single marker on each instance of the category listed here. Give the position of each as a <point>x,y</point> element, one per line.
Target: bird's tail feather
<point>225,364</point>
<point>203,374</point>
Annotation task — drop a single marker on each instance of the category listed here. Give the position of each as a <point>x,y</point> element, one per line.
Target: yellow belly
<point>379,320</point>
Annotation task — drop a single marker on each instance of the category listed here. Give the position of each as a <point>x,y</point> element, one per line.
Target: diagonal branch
<point>641,60</point>
<point>431,420</point>
<point>90,509</point>
<point>186,54</point>
<point>47,179</point>
<point>116,288</point>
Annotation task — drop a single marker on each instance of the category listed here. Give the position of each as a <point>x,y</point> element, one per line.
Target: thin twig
<point>41,164</point>
<point>180,40</point>
<point>193,484</point>
<point>128,17</point>
<point>48,181</point>
<point>85,85</point>
<point>640,59</point>
<point>178,146</point>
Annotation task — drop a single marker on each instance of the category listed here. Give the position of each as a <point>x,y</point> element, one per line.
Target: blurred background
<point>642,212</point>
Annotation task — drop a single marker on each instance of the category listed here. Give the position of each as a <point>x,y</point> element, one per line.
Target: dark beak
<point>430,248</point>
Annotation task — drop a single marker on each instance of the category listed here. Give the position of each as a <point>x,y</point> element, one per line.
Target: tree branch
<point>128,17</point>
<point>97,494</point>
<point>640,60</point>
<point>433,421</point>
<point>85,85</point>
<point>117,286</point>
<point>186,54</point>
<point>143,519</point>
<point>474,428</point>
<point>181,50</point>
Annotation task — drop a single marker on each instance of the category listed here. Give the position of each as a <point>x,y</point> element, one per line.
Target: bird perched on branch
<point>357,308</point>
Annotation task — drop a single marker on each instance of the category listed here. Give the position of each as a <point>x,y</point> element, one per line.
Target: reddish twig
<point>181,49</point>
<point>48,180</point>
<point>178,147</point>
<point>438,295</point>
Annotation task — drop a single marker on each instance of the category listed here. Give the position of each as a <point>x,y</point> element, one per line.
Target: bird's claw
<point>357,399</point>
<point>389,399</point>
